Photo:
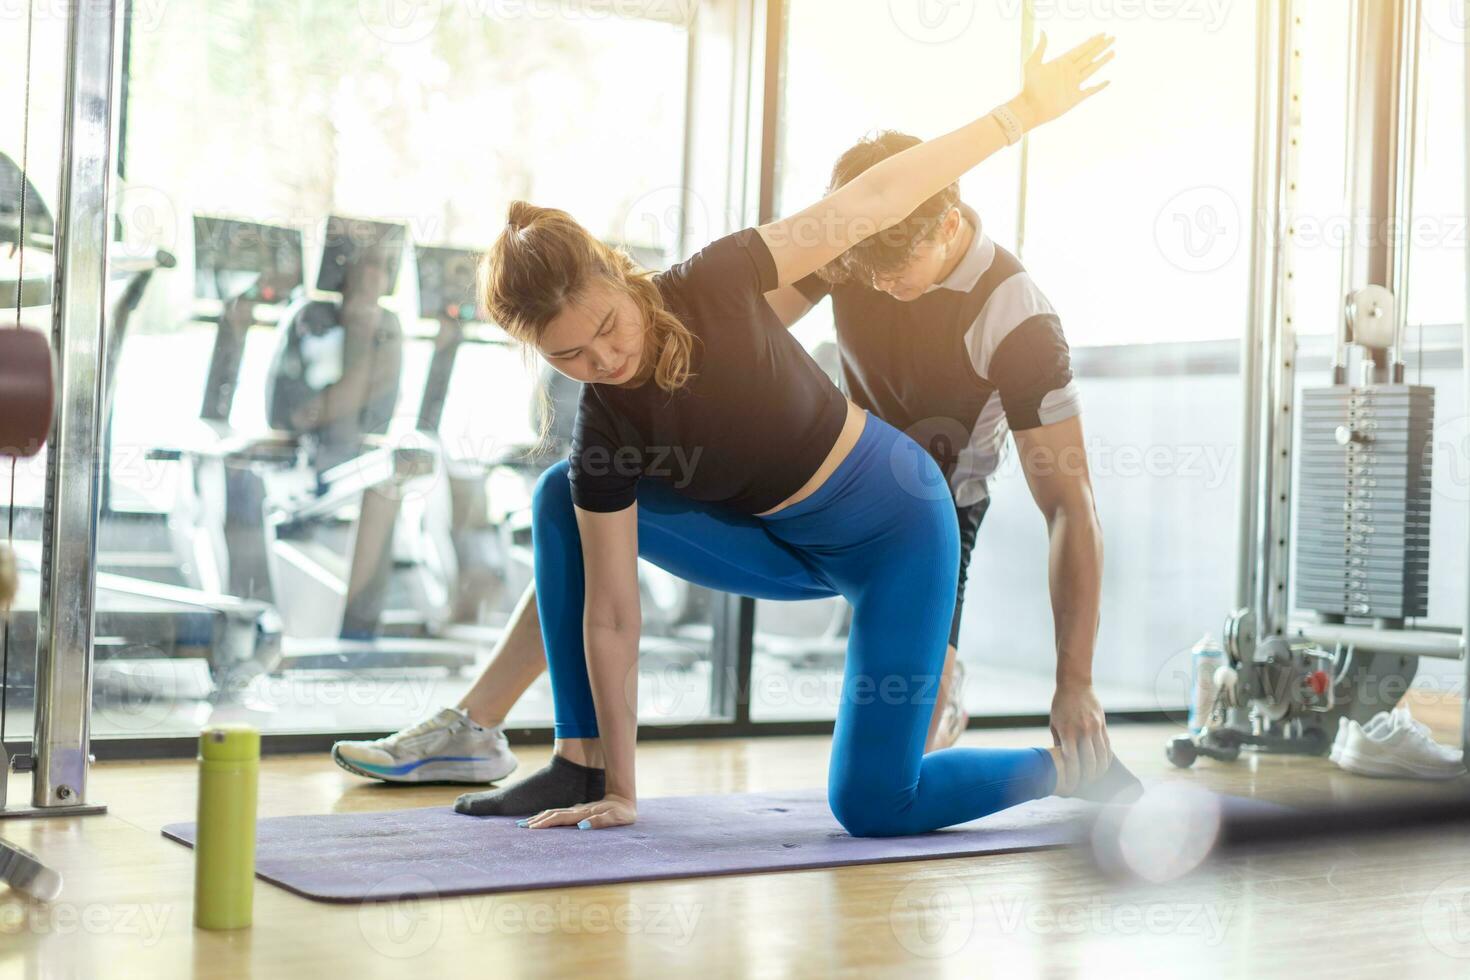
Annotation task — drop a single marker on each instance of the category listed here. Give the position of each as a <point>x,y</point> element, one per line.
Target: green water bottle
<point>224,846</point>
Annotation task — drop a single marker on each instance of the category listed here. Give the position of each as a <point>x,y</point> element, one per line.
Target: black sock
<point>563,783</point>
<point>1115,785</point>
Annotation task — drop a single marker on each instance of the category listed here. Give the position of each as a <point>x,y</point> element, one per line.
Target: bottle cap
<point>231,742</point>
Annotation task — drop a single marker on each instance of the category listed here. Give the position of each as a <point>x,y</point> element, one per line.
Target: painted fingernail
<point>585,825</point>
<point>522,823</point>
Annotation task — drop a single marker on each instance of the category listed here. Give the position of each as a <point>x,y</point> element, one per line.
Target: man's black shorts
<point>969,518</point>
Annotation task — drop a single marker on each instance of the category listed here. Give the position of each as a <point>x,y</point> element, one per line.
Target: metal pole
<point>1278,372</point>
<point>1408,146</point>
<point>1347,275</point>
<point>69,534</point>
<point>1261,242</point>
<point>1465,380</point>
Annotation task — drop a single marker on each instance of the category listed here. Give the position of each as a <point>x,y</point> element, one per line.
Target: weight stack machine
<point>1362,532</point>
<point>1355,454</point>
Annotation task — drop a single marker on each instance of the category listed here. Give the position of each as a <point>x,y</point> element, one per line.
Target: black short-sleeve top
<point>755,420</point>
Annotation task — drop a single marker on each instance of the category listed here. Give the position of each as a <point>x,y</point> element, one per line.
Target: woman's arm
<point>890,191</point>
<point>612,621</point>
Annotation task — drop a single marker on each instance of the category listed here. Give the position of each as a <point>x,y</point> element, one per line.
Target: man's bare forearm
<point>1076,562</point>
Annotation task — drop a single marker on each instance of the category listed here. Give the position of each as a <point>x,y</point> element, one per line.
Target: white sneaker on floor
<point>952,716</point>
<point>1403,719</point>
<point>1376,725</point>
<point>448,748</point>
<point>1401,748</point>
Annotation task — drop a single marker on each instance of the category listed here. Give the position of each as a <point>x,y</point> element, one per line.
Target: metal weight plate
<point>1370,312</point>
<point>27,391</point>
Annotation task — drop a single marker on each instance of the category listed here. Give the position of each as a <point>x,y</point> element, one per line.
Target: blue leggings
<point>882,533</point>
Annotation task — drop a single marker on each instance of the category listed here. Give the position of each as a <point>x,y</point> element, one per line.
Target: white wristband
<point>1009,124</point>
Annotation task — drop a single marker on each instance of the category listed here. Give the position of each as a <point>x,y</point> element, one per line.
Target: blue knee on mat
<point>859,806</point>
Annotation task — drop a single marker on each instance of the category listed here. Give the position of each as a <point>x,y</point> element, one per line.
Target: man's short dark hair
<point>892,248</point>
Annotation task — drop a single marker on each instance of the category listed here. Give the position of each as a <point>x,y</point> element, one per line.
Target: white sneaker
<point>1376,725</point>
<point>1403,750</point>
<point>447,748</point>
<point>1403,719</point>
<point>953,720</point>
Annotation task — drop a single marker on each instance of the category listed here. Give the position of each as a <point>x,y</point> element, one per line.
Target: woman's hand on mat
<point>610,811</point>
<point>1079,729</point>
<point>1055,86</point>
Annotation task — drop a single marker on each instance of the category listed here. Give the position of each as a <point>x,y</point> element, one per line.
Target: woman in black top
<point>763,480</point>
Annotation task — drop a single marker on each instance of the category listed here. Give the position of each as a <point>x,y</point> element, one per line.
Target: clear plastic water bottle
<point>1206,657</point>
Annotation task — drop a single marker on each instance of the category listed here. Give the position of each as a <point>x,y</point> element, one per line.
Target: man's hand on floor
<point>1079,728</point>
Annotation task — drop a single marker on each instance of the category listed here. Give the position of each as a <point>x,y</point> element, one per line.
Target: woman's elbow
<point>614,619</point>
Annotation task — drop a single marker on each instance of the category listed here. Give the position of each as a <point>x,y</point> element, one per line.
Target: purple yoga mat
<point>435,852</point>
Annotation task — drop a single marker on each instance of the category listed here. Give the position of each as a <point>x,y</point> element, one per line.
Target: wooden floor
<point>1337,910</point>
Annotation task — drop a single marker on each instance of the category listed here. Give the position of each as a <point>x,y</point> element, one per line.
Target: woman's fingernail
<point>522,823</point>
<point>585,825</point>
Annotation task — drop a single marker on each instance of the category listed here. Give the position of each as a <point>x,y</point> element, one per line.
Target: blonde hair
<point>543,260</point>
